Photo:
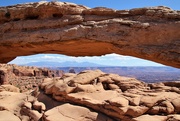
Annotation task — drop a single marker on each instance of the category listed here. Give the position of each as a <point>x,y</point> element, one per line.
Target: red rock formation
<point>96,96</point>
<point>128,100</point>
<point>25,77</point>
<point>65,28</point>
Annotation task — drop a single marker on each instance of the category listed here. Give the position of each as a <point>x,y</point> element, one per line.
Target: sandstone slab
<point>68,112</point>
<point>148,117</point>
<point>8,116</point>
<point>132,103</point>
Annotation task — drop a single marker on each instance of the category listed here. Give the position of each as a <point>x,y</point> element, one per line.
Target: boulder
<point>85,88</point>
<point>113,86</point>
<point>119,102</point>
<point>135,100</point>
<point>86,77</point>
<point>33,114</point>
<point>69,112</point>
<point>28,105</point>
<point>10,105</point>
<point>39,106</point>
<point>135,111</point>
<point>12,101</point>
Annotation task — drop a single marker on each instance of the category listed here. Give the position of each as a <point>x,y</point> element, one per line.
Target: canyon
<point>31,93</point>
<point>40,94</point>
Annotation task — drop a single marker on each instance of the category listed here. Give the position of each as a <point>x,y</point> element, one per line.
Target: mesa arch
<point>65,28</point>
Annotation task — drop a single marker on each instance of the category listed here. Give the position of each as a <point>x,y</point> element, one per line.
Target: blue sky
<point>111,59</point>
<point>116,4</point>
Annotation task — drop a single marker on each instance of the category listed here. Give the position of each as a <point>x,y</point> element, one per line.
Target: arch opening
<point>81,31</point>
<point>128,66</point>
<point>148,33</point>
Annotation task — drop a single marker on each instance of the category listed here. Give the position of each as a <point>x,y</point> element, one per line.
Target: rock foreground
<point>59,27</point>
<point>92,95</point>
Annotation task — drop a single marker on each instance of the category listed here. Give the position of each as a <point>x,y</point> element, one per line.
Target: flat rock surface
<point>11,100</point>
<point>8,116</point>
<point>68,112</point>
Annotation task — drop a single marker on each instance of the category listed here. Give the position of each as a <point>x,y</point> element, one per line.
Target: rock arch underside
<point>65,28</point>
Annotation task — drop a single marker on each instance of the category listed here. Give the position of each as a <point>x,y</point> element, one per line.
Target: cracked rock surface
<point>127,100</point>
<point>65,28</point>
<point>91,95</point>
<point>68,112</point>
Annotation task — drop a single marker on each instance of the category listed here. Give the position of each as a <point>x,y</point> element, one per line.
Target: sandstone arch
<point>70,29</point>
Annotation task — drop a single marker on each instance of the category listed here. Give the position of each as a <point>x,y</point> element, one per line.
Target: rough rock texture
<point>25,77</point>
<point>16,106</point>
<point>8,116</point>
<point>68,112</point>
<point>153,118</point>
<point>3,77</point>
<point>10,105</point>
<point>92,95</point>
<point>58,27</point>
<point>28,71</point>
<point>122,98</point>
<point>9,88</point>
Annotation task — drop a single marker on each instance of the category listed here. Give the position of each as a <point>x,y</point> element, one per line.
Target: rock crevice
<point>122,98</point>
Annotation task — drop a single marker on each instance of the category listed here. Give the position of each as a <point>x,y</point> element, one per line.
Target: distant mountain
<point>146,74</point>
<point>63,64</point>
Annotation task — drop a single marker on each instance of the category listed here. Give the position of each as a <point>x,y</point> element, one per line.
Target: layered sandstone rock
<point>15,106</point>
<point>65,28</point>
<point>122,98</point>
<point>94,96</point>
<point>68,112</point>
<point>25,77</point>
<point>8,116</point>
<point>10,105</point>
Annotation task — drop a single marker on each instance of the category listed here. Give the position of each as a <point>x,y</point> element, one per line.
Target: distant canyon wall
<point>66,28</point>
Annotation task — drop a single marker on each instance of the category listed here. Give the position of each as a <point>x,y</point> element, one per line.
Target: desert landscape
<point>31,93</point>
<point>40,94</point>
<point>146,74</point>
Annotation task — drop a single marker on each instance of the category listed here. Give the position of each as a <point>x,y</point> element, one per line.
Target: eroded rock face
<point>3,77</point>
<point>92,95</point>
<point>65,28</point>
<point>25,77</point>
<point>122,98</point>
<point>68,112</point>
<point>16,106</point>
